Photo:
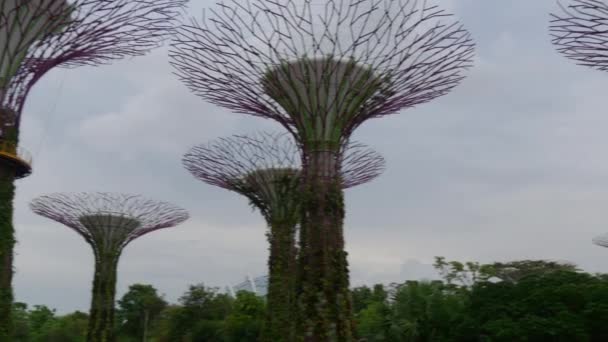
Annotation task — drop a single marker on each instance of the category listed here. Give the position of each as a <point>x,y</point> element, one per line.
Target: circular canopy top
<point>108,219</point>
<point>322,95</point>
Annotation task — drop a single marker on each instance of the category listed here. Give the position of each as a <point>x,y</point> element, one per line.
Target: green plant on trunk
<point>323,266</point>
<point>8,174</point>
<point>274,192</point>
<point>108,222</point>
<point>322,96</point>
<point>108,233</point>
<point>21,26</point>
<point>265,168</point>
<point>7,242</point>
<point>39,35</point>
<point>321,72</point>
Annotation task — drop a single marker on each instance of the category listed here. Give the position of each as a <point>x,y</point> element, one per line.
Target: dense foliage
<point>138,309</point>
<point>41,324</point>
<point>517,301</point>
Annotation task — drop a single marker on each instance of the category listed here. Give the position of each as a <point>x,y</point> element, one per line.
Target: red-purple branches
<point>580,32</point>
<point>108,219</point>
<point>230,162</point>
<point>367,58</point>
<point>37,35</point>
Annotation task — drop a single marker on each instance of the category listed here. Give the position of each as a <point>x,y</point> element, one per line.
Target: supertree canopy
<point>35,37</point>
<point>257,166</point>
<point>321,70</point>
<point>266,168</point>
<point>580,32</point>
<point>38,35</point>
<point>107,222</point>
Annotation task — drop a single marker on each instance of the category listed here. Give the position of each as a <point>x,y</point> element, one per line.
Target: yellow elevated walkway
<point>17,157</point>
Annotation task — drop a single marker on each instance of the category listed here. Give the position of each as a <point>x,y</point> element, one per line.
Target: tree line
<point>530,300</point>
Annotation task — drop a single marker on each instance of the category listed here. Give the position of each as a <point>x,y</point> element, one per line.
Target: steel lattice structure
<point>321,70</point>
<point>266,168</point>
<point>39,35</point>
<point>42,34</point>
<point>580,32</point>
<point>251,164</point>
<point>108,222</point>
<point>88,214</point>
<point>399,51</point>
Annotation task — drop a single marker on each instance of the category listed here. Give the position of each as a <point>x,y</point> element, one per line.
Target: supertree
<point>601,240</point>
<point>580,32</point>
<point>107,222</point>
<point>266,169</point>
<point>321,70</point>
<point>39,35</point>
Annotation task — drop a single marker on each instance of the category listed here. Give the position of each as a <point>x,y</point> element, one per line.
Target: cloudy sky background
<point>510,165</point>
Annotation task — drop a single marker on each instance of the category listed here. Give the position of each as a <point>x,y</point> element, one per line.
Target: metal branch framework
<point>248,164</point>
<point>108,222</point>
<point>38,35</point>
<point>580,32</point>
<point>102,215</point>
<point>368,59</point>
<point>321,70</point>
<point>266,168</point>
<point>601,240</point>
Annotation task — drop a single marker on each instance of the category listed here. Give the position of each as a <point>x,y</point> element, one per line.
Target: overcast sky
<point>510,165</point>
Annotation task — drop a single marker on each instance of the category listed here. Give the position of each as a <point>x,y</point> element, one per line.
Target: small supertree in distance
<point>39,35</point>
<point>580,32</point>
<point>266,168</point>
<point>321,69</point>
<point>601,240</point>
<point>107,222</point>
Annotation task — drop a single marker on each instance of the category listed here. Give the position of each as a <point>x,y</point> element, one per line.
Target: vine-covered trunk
<point>281,312</point>
<point>101,316</point>
<point>7,243</point>
<point>9,132</point>
<point>325,310</point>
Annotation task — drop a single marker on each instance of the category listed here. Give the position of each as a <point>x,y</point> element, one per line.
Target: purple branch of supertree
<point>71,33</point>
<point>227,162</point>
<point>99,216</point>
<point>580,32</point>
<point>414,48</point>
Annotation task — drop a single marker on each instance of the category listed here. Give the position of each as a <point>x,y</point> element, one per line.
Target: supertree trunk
<point>101,320</point>
<point>321,71</point>
<point>7,231</point>
<point>7,242</point>
<point>267,169</point>
<point>281,313</point>
<point>107,222</point>
<point>39,35</point>
<point>323,293</point>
